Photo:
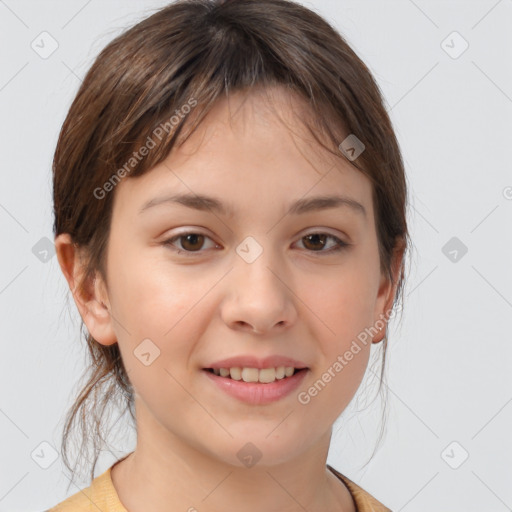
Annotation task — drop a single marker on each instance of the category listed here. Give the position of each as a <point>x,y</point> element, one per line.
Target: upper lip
<point>248,361</point>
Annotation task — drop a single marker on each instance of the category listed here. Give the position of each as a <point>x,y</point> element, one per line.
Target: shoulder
<point>100,495</point>
<point>364,501</point>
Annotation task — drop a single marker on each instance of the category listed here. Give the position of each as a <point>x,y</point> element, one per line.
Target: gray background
<point>449,384</point>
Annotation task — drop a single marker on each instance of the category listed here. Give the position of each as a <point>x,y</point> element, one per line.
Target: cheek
<point>152,303</point>
<point>159,315</point>
<point>344,305</point>
<point>154,296</point>
<point>346,313</point>
<point>344,302</point>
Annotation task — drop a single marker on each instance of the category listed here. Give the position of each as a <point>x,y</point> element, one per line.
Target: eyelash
<point>169,243</point>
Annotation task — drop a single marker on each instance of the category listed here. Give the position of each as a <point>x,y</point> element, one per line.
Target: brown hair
<point>201,50</point>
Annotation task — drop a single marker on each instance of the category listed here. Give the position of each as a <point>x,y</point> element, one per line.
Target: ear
<point>92,301</point>
<point>387,292</point>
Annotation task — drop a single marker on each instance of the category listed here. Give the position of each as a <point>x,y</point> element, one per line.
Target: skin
<point>295,299</point>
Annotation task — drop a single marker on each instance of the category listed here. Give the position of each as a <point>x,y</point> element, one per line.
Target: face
<point>188,287</point>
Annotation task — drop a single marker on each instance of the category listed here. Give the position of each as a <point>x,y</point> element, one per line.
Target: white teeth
<point>236,373</point>
<point>267,375</point>
<point>264,375</point>
<point>250,374</point>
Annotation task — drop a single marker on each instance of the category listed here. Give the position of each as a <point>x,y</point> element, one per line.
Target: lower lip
<point>257,393</point>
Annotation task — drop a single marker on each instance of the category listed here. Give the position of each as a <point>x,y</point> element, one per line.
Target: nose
<point>258,299</point>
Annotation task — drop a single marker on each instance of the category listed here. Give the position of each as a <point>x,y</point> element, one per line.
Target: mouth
<point>256,375</point>
<point>257,386</point>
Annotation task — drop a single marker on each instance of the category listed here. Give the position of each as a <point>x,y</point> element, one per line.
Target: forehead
<point>250,144</point>
<point>259,114</point>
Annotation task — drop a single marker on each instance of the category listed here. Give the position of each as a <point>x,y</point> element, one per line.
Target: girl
<point>230,216</point>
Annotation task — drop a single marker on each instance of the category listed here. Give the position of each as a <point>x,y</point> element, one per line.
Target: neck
<point>164,473</point>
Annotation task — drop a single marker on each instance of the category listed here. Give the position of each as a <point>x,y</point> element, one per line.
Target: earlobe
<point>380,324</point>
<point>387,293</point>
<point>91,299</point>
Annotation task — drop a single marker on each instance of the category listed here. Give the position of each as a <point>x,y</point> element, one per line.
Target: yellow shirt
<point>101,496</point>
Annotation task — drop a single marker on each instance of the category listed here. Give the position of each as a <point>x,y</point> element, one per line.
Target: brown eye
<point>316,242</point>
<point>188,242</point>
<point>192,241</point>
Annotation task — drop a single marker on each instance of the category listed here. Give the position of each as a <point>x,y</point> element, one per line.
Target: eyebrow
<point>301,206</point>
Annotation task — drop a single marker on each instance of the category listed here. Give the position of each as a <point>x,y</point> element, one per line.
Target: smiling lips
<point>264,375</point>
<point>252,369</point>
<point>257,381</point>
<point>247,361</point>
<point>258,393</point>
